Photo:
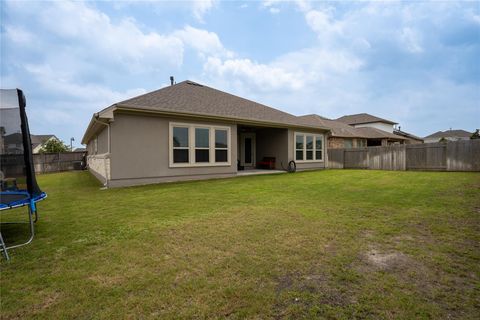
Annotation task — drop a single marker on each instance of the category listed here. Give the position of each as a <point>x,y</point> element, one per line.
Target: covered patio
<point>262,150</point>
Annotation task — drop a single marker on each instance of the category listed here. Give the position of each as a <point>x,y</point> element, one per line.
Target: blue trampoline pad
<point>11,199</point>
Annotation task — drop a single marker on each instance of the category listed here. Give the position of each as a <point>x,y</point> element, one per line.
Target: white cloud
<point>274,10</point>
<point>411,40</point>
<point>203,41</point>
<point>122,41</point>
<point>263,77</point>
<point>55,80</point>
<point>322,23</point>
<point>19,35</point>
<point>201,7</point>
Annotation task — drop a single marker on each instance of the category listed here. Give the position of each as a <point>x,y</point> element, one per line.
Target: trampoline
<point>18,186</point>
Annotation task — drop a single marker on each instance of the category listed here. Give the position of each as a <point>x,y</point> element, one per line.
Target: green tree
<point>476,134</point>
<point>54,145</point>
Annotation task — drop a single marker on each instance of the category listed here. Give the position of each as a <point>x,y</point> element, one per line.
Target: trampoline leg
<point>4,248</point>
<point>32,230</point>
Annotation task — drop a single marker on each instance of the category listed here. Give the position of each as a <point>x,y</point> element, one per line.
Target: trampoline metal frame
<point>31,211</point>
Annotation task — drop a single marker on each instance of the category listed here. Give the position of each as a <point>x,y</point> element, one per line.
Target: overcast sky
<point>415,63</point>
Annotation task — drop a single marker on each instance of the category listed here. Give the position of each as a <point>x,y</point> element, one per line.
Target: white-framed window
<point>308,147</point>
<point>222,136</point>
<point>95,145</point>
<point>196,145</point>
<point>202,145</point>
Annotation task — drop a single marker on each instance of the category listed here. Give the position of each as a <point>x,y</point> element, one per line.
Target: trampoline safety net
<point>16,163</point>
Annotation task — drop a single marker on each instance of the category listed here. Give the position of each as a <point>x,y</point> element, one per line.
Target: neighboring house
<point>365,120</point>
<point>39,140</point>
<point>362,120</point>
<point>346,136</point>
<point>13,144</point>
<point>79,149</point>
<point>190,131</point>
<point>411,139</point>
<point>450,135</point>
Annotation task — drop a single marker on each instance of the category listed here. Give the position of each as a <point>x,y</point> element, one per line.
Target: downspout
<point>108,143</point>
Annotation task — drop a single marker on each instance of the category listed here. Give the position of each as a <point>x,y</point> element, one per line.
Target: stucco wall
<point>102,139</point>
<point>306,165</point>
<point>102,143</point>
<point>140,151</point>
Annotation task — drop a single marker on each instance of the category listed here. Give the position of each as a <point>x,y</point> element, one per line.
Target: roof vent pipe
<point>172,79</point>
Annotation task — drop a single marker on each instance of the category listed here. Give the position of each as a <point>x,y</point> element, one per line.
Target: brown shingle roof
<point>407,135</point>
<point>362,118</point>
<point>374,133</point>
<point>340,129</point>
<point>450,133</point>
<point>188,97</point>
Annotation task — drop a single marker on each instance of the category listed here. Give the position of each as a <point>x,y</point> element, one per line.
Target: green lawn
<point>325,244</point>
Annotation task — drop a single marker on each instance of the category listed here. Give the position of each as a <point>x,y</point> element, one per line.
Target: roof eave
<point>94,126</point>
<point>129,108</point>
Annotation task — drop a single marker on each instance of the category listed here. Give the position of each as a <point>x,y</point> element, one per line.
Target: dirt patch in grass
<point>106,280</point>
<point>48,299</point>
<point>298,295</point>
<point>386,261</point>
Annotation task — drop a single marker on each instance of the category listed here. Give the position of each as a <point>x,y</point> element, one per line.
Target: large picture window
<point>199,145</point>
<point>308,147</point>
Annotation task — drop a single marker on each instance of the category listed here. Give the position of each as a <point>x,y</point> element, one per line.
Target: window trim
<point>315,136</point>
<point>215,148</point>
<point>192,145</point>
<point>195,148</point>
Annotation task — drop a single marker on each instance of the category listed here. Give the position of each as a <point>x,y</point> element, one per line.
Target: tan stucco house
<point>190,131</point>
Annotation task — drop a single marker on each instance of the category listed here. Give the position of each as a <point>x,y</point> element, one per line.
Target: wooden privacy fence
<point>43,162</point>
<point>55,162</point>
<point>449,156</point>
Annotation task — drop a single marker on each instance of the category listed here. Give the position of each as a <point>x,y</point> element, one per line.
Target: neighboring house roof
<point>14,138</point>
<point>450,134</point>
<point>374,133</point>
<point>340,129</point>
<point>39,139</point>
<point>406,135</point>
<point>361,118</point>
<point>80,149</point>
<point>337,128</point>
<point>193,99</point>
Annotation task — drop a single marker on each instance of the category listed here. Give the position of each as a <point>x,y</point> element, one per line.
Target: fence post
<point>368,158</point>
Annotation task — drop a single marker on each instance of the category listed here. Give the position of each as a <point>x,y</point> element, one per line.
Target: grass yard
<point>325,244</point>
